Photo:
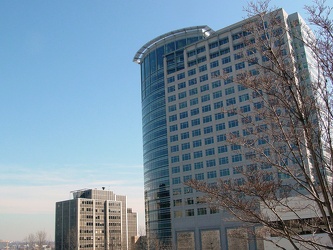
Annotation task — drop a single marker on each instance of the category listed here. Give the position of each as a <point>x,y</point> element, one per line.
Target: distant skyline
<point>70,102</point>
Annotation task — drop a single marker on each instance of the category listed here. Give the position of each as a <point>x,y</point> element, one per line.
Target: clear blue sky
<point>70,109</point>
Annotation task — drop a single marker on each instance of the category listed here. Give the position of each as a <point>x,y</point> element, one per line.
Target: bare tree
<point>40,239</point>
<point>156,243</point>
<point>287,137</point>
<point>31,241</point>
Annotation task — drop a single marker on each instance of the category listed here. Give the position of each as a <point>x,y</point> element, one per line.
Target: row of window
<point>206,97</point>
<point>206,130</point>
<point>208,152</point>
<point>190,212</point>
<point>209,175</point>
<point>210,140</point>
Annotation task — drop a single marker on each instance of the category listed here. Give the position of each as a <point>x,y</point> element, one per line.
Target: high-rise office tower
<point>94,219</point>
<point>185,130</point>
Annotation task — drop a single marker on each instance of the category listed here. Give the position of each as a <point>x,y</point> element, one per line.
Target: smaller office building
<point>95,220</point>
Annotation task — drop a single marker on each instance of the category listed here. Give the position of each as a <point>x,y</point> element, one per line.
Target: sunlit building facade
<point>185,130</point>
<point>95,220</point>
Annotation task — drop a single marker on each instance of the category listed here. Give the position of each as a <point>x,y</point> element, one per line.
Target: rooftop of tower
<point>206,31</point>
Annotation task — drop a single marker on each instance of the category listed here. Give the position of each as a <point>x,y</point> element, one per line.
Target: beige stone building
<point>95,220</point>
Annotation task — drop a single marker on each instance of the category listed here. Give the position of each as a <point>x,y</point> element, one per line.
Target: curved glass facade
<point>157,58</point>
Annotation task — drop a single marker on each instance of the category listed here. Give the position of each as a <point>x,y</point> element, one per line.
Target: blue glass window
<point>229,90</point>
<point>175,170</point>
<point>203,68</point>
<point>194,101</point>
<point>187,167</point>
<point>201,59</point>
<point>220,126</point>
<point>225,51</point>
<point>176,180</point>
<point>226,60</point>
<point>173,138</point>
<point>185,146</point>
<point>194,111</point>
<point>213,45</point>
<point>192,81</point>
<point>183,115</point>
<point>211,174</point>
<point>224,40</point>
<point>218,105</point>
<point>215,73</point>
<point>236,158</point>
<point>180,76</point>
<point>185,135</point>
<point>184,125</point>
<point>224,172</point>
<point>182,105</point>
<point>233,123</point>
<point>191,72</point>
<point>196,132</point>
<point>173,128</point>
<point>203,78</point>
<point>210,151</point>
<point>199,176</point>
<point>205,98</point>
<point>201,49</point>
<point>186,157</point>
<point>210,163</point>
<point>231,101</point>
<point>174,148</point>
<point>195,122</point>
<point>214,55</point>
<point>187,178</point>
<point>235,147</point>
<point>172,98</point>
<point>222,149</point>
<point>238,46</point>
<point>216,84</point>
<point>207,118</point>
<point>245,109</point>
<point>181,85</point>
<point>217,94</point>
<point>171,89</point>
<point>240,65</point>
<point>238,56</point>
<point>174,159</point>
<point>214,64</point>
<point>208,129</point>
<point>172,118</point>
<point>241,87</point>
<point>221,137</point>
<point>197,154</point>
<point>209,140</point>
<point>172,108</point>
<point>206,108</point>
<point>196,143</point>
<point>198,165</point>
<point>243,98</point>
<point>227,70</point>
<point>193,91</point>
<point>204,88</point>
<point>219,116</point>
<point>223,160</point>
<point>171,79</point>
<point>182,95</point>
